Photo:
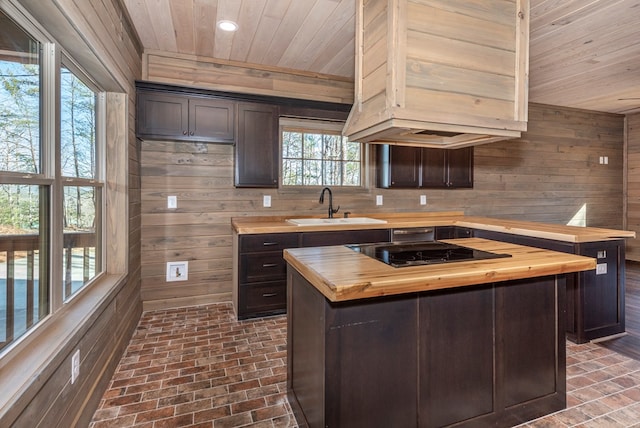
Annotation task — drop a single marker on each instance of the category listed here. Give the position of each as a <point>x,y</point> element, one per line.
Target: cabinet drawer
<point>320,239</point>
<point>259,299</point>
<point>260,267</point>
<point>267,242</point>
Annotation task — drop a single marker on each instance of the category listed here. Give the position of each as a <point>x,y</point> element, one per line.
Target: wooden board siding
<point>633,184</point>
<point>97,34</point>
<point>221,75</point>
<point>549,175</point>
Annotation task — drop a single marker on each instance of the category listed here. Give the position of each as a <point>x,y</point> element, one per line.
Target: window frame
<point>53,57</point>
<point>331,127</point>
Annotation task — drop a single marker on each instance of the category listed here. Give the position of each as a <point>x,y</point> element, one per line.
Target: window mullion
<point>51,166</point>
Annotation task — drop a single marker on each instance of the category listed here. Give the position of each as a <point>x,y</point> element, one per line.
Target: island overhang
<point>342,274</point>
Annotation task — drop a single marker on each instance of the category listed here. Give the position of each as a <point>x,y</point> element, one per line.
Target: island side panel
<point>371,357</point>
<point>305,351</point>
<point>531,321</point>
<point>456,355</point>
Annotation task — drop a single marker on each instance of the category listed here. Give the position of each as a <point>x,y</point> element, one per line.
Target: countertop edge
<point>526,262</point>
<point>557,232</point>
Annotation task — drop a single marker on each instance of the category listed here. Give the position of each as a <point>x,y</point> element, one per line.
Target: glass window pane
<point>292,145</point>
<point>81,252</point>
<point>19,99</point>
<point>77,127</point>
<point>351,174</point>
<point>313,146</point>
<point>327,159</point>
<point>312,173</point>
<point>24,290</point>
<point>292,172</point>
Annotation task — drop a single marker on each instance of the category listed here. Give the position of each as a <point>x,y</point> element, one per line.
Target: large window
<point>316,154</point>
<point>50,180</point>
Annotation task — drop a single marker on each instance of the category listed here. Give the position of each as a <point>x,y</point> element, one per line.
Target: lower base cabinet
<point>595,299</point>
<point>260,271</point>
<point>487,355</point>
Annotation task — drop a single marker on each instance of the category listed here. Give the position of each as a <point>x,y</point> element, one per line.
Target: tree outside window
<point>319,158</point>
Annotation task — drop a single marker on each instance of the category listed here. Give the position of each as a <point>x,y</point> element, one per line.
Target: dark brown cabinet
<point>172,116</point>
<point>414,167</point>
<point>485,355</point>
<point>257,147</point>
<point>262,273</point>
<point>595,299</point>
<point>452,232</point>
<point>261,270</point>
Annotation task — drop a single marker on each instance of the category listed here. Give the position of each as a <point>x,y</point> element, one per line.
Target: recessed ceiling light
<point>227,25</point>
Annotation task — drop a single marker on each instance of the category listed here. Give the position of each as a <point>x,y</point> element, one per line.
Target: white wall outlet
<point>606,160</point>
<point>601,269</point>
<point>378,199</point>
<point>177,271</point>
<point>423,199</point>
<point>266,201</point>
<point>75,366</point>
<point>172,202</point>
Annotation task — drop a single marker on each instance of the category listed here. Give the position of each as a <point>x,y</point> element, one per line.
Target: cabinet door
<point>602,290</point>
<point>257,148</point>
<point>211,119</point>
<point>162,116</point>
<point>434,168</point>
<point>460,168</point>
<point>398,166</point>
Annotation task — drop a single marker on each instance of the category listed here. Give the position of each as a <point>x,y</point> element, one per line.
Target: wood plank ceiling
<point>583,53</point>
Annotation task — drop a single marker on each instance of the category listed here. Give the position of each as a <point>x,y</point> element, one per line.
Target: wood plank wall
<point>552,174</point>
<point>633,185</point>
<point>98,35</point>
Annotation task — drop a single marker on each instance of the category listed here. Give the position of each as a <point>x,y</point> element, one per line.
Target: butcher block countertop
<point>558,232</point>
<point>342,274</point>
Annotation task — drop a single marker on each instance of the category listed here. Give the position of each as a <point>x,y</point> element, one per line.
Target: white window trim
<point>33,356</point>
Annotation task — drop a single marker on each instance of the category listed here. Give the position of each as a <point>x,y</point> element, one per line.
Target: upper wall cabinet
<point>257,148</point>
<point>405,167</point>
<point>179,117</point>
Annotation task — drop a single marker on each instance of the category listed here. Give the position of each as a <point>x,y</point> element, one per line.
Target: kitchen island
<point>476,343</point>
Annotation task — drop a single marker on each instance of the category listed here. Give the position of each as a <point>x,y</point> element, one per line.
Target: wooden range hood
<point>440,73</point>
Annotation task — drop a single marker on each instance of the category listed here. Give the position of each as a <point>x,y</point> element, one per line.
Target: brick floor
<point>199,367</point>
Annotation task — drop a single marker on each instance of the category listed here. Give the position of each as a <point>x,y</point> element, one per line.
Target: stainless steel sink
<point>333,221</point>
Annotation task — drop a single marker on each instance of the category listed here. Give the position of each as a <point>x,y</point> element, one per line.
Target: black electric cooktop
<point>402,254</point>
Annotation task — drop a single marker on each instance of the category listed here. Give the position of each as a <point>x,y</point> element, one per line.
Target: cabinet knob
<point>191,133</point>
<point>184,132</point>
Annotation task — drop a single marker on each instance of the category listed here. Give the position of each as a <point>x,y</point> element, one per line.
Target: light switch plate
<point>172,202</point>
<point>378,199</point>
<point>266,201</point>
<point>423,199</point>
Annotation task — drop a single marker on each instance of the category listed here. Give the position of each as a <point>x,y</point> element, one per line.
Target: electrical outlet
<point>172,202</point>
<point>75,366</point>
<point>177,271</point>
<point>423,199</point>
<point>378,199</point>
<point>266,201</point>
<point>601,269</point>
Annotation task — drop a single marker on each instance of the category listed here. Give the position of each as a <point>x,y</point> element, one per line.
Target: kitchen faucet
<point>331,210</point>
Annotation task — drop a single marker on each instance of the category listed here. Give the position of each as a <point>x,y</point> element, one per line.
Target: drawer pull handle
<point>268,244</point>
<point>269,265</point>
<point>269,294</point>
<point>411,232</point>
